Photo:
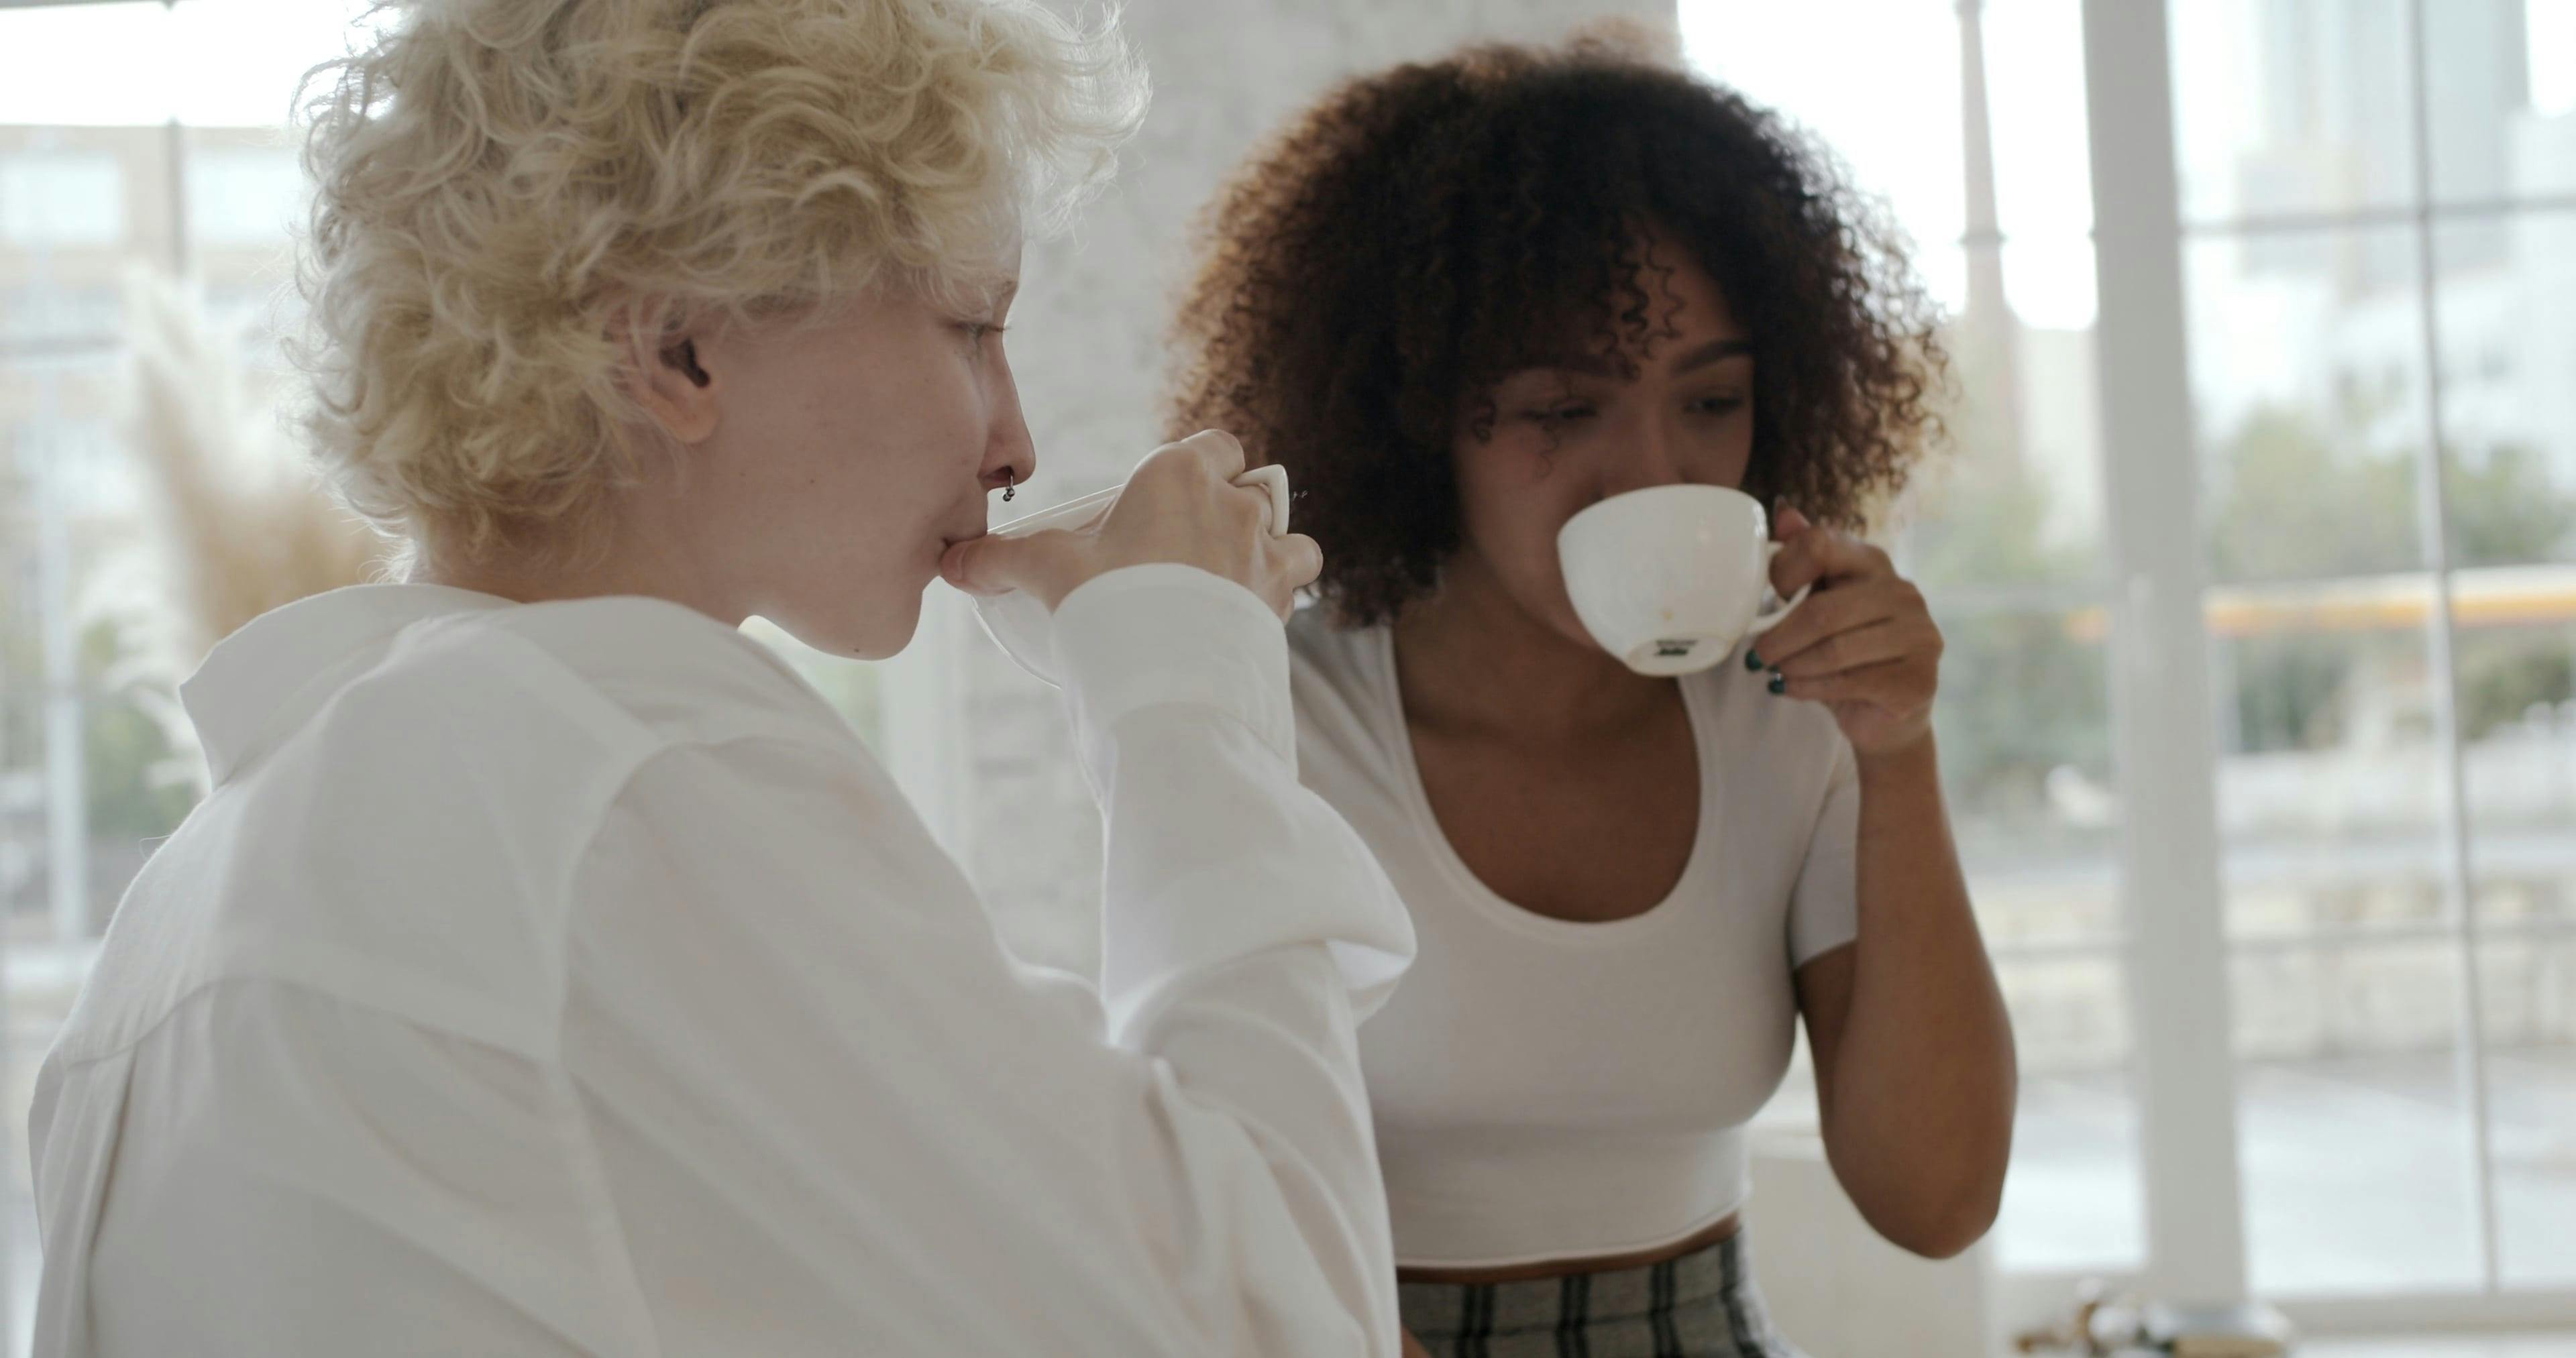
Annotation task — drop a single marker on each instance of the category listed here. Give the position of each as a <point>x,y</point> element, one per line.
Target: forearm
<point>1919,1106</point>
<point>1244,926</point>
<point>1178,685</point>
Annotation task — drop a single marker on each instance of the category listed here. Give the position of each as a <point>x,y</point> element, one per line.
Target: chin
<point>884,637</point>
<point>861,629</point>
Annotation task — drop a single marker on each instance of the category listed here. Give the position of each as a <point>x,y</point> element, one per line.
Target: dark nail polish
<point>1779,682</point>
<point>1752,659</point>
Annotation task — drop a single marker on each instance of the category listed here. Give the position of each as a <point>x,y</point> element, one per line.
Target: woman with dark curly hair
<point>1461,302</point>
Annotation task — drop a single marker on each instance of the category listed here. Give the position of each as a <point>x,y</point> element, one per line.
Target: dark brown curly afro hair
<point>1423,233</point>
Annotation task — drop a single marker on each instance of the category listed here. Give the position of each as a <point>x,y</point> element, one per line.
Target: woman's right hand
<point>1413,1347</point>
<point>1179,506</point>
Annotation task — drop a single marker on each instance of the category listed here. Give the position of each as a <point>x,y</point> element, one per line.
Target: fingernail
<point>1779,682</point>
<point>1752,659</point>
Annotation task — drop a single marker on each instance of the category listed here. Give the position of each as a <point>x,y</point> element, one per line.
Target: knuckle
<point>1172,463</point>
<point>1218,446</point>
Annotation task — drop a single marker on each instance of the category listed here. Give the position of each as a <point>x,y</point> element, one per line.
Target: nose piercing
<point>1010,486</point>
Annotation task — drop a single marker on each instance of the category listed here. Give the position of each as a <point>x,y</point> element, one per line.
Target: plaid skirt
<point>1700,1305</point>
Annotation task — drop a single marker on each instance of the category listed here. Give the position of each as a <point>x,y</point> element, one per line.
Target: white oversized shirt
<point>566,979</point>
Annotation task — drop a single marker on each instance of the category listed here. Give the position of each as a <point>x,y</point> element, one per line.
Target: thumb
<point>1787,523</point>
<point>996,565</point>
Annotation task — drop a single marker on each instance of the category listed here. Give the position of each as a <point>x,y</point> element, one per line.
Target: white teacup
<point>1025,628</point>
<point>1670,578</point>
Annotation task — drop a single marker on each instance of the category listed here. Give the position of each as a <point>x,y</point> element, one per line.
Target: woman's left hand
<point>1863,644</point>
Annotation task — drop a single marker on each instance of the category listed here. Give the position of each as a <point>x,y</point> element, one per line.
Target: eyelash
<point>1714,405</point>
<point>980,331</point>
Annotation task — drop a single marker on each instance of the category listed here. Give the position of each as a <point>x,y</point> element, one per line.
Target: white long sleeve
<point>626,1008</point>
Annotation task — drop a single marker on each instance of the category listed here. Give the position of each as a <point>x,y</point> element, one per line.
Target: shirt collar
<point>279,665</point>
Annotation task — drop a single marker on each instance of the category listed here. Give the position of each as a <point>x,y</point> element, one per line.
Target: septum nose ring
<point>1010,486</point>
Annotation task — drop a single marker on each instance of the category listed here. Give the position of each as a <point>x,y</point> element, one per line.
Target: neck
<point>1471,657</point>
<point>630,559</point>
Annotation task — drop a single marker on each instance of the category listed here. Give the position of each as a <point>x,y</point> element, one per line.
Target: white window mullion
<point>2169,847</point>
<point>66,754</point>
<point>2434,527</point>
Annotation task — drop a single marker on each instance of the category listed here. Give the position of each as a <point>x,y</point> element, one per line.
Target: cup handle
<point>1273,480</point>
<point>1769,618</point>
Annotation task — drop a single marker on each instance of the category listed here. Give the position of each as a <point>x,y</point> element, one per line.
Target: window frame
<point>2162,706</point>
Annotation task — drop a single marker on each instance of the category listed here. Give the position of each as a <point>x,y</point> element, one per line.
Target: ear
<point>665,377</point>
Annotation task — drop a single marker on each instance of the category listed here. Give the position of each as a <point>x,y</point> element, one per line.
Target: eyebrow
<point>1596,365</point>
<point>1715,351</point>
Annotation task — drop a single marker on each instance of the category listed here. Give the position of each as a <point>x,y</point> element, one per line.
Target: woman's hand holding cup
<point>1864,644</point>
<point>1180,506</point>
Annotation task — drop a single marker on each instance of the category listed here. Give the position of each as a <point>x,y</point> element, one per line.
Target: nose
<point>1645,453</point>
<point>1005,470</point>
<point>1010,454</point>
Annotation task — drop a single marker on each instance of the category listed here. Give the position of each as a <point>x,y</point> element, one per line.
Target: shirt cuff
<point>1145,636</point>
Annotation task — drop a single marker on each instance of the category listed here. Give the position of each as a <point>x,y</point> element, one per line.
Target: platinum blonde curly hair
<point>505,188</point>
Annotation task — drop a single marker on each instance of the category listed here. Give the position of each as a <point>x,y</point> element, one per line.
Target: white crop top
<point>1550,1089</point>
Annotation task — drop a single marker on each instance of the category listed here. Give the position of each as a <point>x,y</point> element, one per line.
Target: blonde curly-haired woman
<point>549,971</point>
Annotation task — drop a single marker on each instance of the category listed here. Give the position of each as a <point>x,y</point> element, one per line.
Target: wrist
<point>1914,760</point>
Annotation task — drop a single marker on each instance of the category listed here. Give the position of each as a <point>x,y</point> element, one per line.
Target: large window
<point>2370,219</point>
<point>2388,473</point>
